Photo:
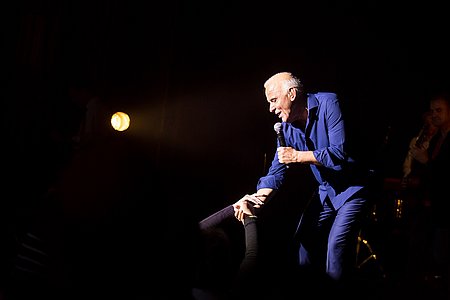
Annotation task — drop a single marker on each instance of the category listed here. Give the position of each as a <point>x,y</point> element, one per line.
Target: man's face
<point>440,113</point>
<point>279,102</point>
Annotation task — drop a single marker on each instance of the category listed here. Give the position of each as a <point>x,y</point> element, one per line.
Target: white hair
<point>287,81</point>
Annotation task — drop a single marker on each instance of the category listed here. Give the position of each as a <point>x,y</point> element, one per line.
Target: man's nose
<point>271,108</point>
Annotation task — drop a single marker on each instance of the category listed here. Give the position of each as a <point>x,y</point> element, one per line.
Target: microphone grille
<point>277,127</point>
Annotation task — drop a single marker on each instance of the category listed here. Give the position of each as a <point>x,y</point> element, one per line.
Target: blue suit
<point>328,229</point>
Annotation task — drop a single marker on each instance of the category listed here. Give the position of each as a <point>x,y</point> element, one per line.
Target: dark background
<point>190,74</point>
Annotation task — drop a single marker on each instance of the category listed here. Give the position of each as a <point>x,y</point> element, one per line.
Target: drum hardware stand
<point>372,254</point>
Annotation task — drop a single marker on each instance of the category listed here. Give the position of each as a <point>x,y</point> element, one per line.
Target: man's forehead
<point>273,87</point>
<point>439,103</point>
<point>273,93</point>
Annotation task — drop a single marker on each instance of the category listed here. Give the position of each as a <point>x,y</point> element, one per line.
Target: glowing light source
<point>120,121</point>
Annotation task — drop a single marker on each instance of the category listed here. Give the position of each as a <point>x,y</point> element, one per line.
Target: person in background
<point>414,172</point>
<point>413,192</point>
<point>436,159</point>
<point>411,168</point>
<point>314,134</point>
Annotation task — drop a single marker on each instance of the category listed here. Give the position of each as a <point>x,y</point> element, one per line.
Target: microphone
<point>277,127</point>
<point>280,136</point>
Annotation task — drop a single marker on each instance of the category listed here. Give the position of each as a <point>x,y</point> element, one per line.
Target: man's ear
<point>292,93</point>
